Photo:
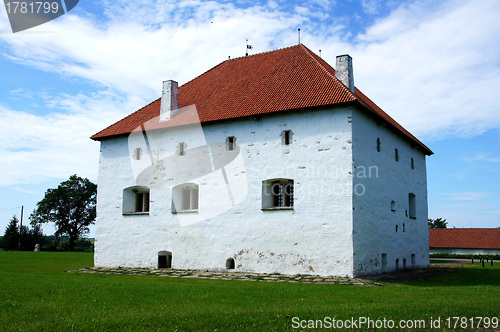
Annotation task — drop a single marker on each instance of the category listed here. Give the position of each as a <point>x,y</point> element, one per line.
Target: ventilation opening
<point>230,264</point>
<point>164,260</point>
<point>384,262</point>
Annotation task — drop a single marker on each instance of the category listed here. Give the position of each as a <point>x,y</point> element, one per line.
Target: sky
<point>434,66</point>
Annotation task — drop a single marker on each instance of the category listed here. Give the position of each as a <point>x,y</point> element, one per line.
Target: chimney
<point>169,99</point>
<point>343,71</point>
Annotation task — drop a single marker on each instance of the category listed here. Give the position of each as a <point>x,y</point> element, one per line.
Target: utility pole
<point>21,225</point>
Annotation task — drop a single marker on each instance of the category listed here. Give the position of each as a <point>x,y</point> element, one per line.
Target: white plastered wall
<point>313,238</point>
<point>378,180</point>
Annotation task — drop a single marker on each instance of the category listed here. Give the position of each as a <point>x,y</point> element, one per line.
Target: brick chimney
<point>343,71</point>
<point>169,99</point>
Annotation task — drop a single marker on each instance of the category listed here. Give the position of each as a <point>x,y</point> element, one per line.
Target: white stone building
<point>273,162</point>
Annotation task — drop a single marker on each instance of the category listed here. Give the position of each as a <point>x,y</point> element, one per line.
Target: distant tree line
<point>437,223</point>
<point>23,238</point>
<point>71,207</point>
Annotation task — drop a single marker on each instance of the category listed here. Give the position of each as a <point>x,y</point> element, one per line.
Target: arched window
<point>384,262</point>
<point>165,260</point>
<point>230,264</point>
<point>185,198</point>
<point>136,200</point>
<point>277,193</point>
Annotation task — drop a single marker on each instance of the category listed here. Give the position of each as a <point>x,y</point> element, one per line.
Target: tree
<point>438,223</point>
<point>71,206</point>
<point>11,236</point>
<point>28,238</point>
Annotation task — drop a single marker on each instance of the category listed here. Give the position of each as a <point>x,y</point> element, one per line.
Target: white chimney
<point>169,99</point>
<point>343,71</point>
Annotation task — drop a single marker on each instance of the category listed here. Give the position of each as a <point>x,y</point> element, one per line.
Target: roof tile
<point>473,238</point>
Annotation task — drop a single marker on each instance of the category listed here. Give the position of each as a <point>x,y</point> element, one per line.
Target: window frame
<point>136,201</point>
<point>278,194</point>
<point>186,196</point>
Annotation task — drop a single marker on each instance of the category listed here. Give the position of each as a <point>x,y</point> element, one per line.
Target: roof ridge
<point>313,56</point>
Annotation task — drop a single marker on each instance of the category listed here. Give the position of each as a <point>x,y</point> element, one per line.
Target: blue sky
<point>433,66</point>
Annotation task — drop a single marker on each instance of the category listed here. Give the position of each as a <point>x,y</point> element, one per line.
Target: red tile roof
<point>473,238</point>
<point>287,79</point>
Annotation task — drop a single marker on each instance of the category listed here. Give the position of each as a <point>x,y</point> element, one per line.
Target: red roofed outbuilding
<point>464,241</point>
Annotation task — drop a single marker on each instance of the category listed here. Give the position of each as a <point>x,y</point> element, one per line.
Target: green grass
<point>36,294</point>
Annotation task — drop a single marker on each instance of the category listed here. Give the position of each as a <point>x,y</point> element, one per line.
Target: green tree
<point>28,238</point>
<point>11,236</point>
<point>438,223</point>
<point>71,206</point>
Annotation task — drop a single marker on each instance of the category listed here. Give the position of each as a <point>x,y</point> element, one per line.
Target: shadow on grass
<point>448,275</point>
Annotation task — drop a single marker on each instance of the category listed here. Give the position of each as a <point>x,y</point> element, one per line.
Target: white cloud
<point>430,66</point>
<point>434,68</point>
<point>464,196</point>
<point>488,157</point>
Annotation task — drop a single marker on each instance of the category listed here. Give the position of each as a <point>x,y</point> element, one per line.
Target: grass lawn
<point>36,294</point>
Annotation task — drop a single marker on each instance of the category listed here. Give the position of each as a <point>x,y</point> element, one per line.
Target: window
<point>181,149</point>
<point>378,144</point>
<point>231,143</point>
<point>413,264</point>
<point>396,154</point>
<point>277,193</point>
<point>230,264</point>
<point>142,202</point>
<point>185,198</point>
<point>397,264</point>
<point>136,200</point>
<point>165,260</point>
<point>412,164</point>
<point>393,206</point>
<point>412,206</point>
<point>384,262</point>
<point>137,154</point>
<point>286,137</point>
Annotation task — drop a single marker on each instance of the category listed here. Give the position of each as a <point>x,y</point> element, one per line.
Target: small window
<point>378,144</point>
<point>286,137</point>
<point>404,228</point>
<point>396,154</point>
<point>277,193</point>
<point>393,206</point>
<point>413,264</point>
<point>136,200</point>
<point>412,209</point>
<point>397,228</point>
<point>231,143</point>
<point>137,154</point>
<point>164,260</point>
<point>384,262</point>
<point>412,164</point>
<point>230,264</point>
<point>397,264</point>
<point>181,149</point>
<point>404,263</point>
<point>185,198</point>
